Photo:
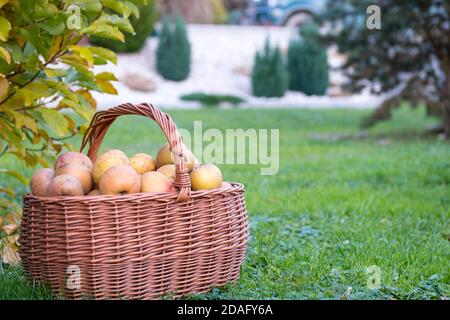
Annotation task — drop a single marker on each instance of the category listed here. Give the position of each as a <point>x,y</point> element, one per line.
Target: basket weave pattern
<point>136,246</point>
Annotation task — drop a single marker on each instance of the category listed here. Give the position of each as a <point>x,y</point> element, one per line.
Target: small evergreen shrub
<point>212,100</point>
<point>269,76</point>
<point>308,63</point>
<point>143,27</point>
<point>173,56</point>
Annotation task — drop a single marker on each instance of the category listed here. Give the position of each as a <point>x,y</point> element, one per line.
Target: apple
<point>166,156</point>
<point>107,160</point>
<point>72,157</point>
<point>65,185</point>
<point>155,181</point>
<point>40,181</point>
<point>206,177</point>
<point>142,163</point>
<point>169,171</point>
<point>80,172</point>
<point>94,192</point>
<point>119,179</point>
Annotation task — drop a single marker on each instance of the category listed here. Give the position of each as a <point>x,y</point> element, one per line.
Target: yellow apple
<point>107,160</point>
<point>169,171</point>
<point>155,181</point>
<point>206,177</point>
<point>142,163</point>
<point>119,179</point>
<point>165,156</point>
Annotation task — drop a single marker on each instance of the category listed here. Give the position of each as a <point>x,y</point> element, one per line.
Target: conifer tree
<point>269,75</point>
<point>173,56</point>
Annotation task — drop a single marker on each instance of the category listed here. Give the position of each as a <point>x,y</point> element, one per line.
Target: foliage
<point>212,100</point>
<point>269,76</point>
<point>308,62</point>
<point>143,26</point>
<point>220,13</point>
<point>44,72</point>
<point>407,58</point>
<point>173,55</point>
<point>340,202</point>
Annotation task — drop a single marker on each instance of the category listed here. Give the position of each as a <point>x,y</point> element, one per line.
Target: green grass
<point>335,207</point>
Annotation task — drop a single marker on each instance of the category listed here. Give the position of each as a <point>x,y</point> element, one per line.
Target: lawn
<point>342,201</point>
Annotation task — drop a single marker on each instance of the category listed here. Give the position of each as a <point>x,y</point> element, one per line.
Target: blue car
<point>284,12</point>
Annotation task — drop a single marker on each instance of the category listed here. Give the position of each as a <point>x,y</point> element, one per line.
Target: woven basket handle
<point>103,119</point>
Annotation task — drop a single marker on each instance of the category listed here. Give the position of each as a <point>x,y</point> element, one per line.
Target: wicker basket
<point>136,246</point>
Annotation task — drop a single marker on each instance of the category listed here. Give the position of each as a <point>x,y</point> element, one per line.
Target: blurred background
<point>223,38</point>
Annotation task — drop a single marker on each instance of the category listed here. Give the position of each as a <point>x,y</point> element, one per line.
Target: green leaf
<point>62,88</point>
<point>104,30</point>
<point>81,107</point>
<point>33,92</point>
<point>118,7</point>
<point>5,27</point>
<point>55,72</point>
<point>27,9</point>
<point>84,108</point>
<point>105,53</point>
<point>16,52</point>
<point>120,22</point>
<point>54,119</point>
<point>15,174</point>
<point>133,8</point>
<point>55,25</point>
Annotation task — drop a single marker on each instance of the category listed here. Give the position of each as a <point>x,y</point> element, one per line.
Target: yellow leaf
<point>5,55</point>
<point>4,86</point>
<point>5,27</point>
<point>106,86</point>
<point>106,76</point>
<point>15,174</point>
<point>89,98</point>
<point>9,192</point>
<point>56,46</point>
<point>24,120</point>
<point>84,53</point>
<point>3,2</point>
<point>44,162</point>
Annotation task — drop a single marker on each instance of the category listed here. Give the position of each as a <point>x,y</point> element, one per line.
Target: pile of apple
<point>113,173</point>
